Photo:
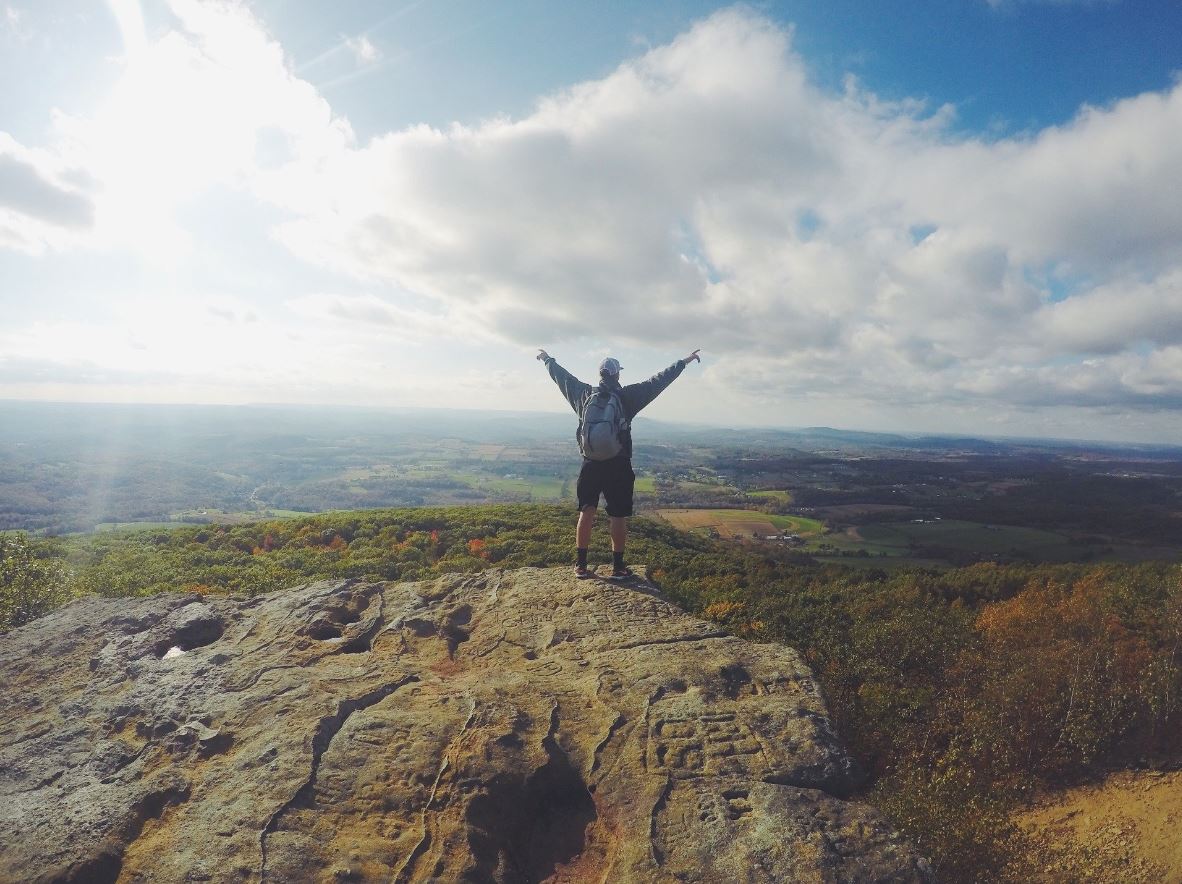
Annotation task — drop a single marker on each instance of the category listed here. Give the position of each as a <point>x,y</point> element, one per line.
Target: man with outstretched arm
<point>605,438</point>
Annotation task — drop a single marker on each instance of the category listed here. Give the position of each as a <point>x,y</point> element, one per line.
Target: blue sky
<point>945,216</point>
<point>1005,66</point>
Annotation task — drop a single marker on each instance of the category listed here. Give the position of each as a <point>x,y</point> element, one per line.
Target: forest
<point>961,691</point>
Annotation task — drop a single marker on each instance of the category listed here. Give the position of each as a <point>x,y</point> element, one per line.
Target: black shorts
<point>611,478</point>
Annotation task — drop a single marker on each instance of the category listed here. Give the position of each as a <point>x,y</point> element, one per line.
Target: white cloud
<point>42,205</point>
<point>369,314</point>
<point>15,24</point>
<point>130,19</point>
<point>706,192</point>
<point>209,103</point>
<point>1113,317</point>
<point>363,49</point>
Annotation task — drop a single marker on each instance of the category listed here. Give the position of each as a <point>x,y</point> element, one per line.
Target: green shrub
<point>31,583</point>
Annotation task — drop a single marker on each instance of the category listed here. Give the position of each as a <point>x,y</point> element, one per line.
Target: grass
<point>360,473</point>
<point>901,539</point>
<point>646,484</point>
<point>131,526</point>
<point>779,496</point>
<point>740,523</point>
<point>844,542</point>
<point>538,487</point>
<point>210,514</point>
<point>970,537</point>
<point>686,485</point>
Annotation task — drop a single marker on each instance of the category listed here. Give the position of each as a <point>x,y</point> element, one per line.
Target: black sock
<point>618,560</point>
<point>582,553</point>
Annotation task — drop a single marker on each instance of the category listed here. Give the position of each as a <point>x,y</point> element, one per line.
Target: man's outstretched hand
<point>693,357</point>
<point>542,356</point>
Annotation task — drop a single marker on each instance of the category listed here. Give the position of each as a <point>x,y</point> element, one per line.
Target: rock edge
<point>503,726</point>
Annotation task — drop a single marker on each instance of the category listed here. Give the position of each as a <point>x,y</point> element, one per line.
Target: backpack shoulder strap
<point>623,409</point>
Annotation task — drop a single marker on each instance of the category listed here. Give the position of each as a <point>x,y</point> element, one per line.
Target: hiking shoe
<point>583,573</point>
<point>622,573</point>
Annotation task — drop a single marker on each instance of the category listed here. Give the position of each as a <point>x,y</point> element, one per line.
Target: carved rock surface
<point>504,726</point>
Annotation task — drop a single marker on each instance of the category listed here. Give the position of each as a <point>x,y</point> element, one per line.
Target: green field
<point>740,523</point>
<point>131,526</point>
<point>687,485</point>
<point>904,538</point>
<point>210,516</point>
<point>539,488</point>
<point>374,472</point>
<point>779,496</point>
<point>797,524</point>
<point>646,484</point>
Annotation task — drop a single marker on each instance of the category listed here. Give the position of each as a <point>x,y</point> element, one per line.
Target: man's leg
<point>587,490</point>
<point>619,529</point>
<point>619,508</point>
<point>583,529</point>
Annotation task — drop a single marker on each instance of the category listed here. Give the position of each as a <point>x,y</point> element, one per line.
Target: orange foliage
<point>720,611</point>
<point>1064,673</point>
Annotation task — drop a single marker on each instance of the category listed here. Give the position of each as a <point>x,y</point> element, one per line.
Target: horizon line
<point>749,428</point>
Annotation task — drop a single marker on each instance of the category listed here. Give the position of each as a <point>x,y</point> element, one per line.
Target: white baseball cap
<point>611,365</point>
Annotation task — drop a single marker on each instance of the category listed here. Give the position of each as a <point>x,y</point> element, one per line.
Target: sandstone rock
<point>505,726</point>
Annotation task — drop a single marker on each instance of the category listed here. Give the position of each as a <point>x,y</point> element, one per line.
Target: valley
<point>861,499</point>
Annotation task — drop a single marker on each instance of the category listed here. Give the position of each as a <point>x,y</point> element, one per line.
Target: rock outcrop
<point>504,726</point>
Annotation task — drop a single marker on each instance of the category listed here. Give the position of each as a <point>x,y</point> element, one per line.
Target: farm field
<point>970,537</point>
<point>209,516</point>
<point>707,487</point>
<point>778,495</point>
<point>131,526</point>
<point>738,524</point>
<point>373,472</point>
<point>214,516</point>
<point>857,510</point>
<point>538,488</point>
<point>905,539</point>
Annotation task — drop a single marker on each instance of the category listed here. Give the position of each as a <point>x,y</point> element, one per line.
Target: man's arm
<point>637,396</point>
<point>572,388</point>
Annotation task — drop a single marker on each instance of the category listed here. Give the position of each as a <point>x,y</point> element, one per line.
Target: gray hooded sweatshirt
<point>634,396</point>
